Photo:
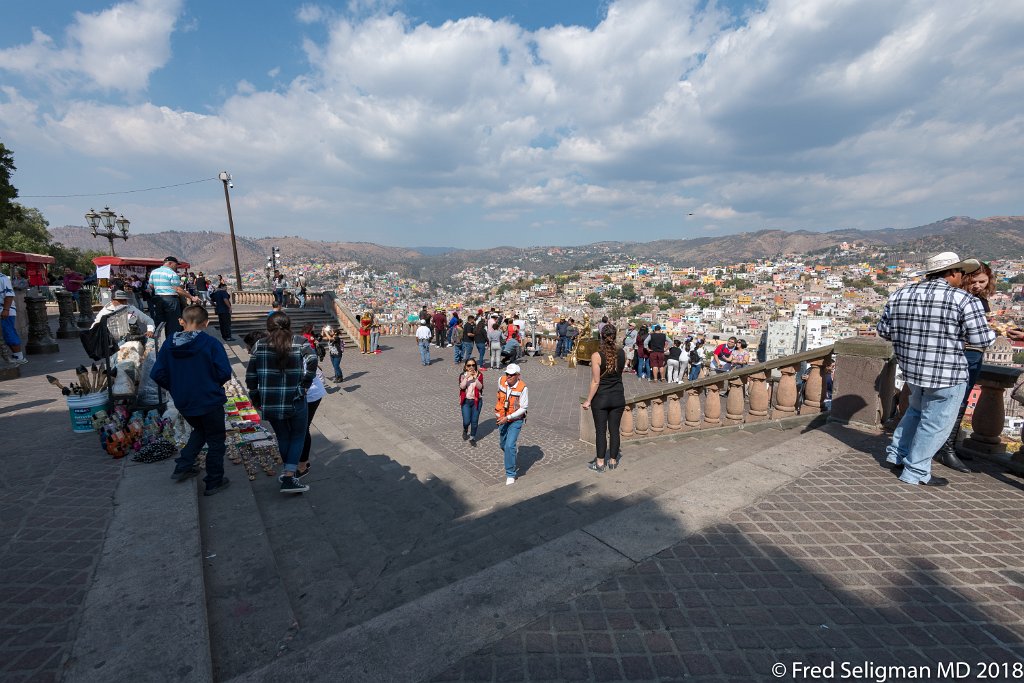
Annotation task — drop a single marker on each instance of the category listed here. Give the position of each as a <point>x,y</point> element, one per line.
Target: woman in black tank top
<point>607,399</point>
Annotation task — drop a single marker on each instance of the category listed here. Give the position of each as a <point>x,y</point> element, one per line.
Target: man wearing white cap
<point>928,323</point>
<point>510,414</point>
<point>120,301</point>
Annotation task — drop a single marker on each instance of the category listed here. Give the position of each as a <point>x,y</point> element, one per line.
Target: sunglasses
<point>471,365</point>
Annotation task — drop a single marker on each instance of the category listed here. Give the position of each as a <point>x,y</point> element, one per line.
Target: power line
<point>104,194</point>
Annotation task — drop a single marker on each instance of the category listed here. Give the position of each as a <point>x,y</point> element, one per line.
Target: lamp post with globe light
<point>114,226</point>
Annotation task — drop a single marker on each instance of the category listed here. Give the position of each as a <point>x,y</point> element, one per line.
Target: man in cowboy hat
<point>928,323</point>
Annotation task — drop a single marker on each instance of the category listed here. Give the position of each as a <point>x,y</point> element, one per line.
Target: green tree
<point>606,279</point>
<point>1018,357</point>
<point>25,230</point>
<point>629,292</point>
<point>9,209</point>
<point>616,313</point>
<point>703,303</point>
<point>639,309</point>
<point>880,290</point>
<point>595,300</point>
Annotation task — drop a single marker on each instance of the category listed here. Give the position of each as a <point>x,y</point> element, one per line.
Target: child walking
<point>193,367</point>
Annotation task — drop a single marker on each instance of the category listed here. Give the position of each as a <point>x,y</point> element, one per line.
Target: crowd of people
<point>938,328</point>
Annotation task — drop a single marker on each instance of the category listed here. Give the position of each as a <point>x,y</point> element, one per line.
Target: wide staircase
<point>249,313</point>
<point>399,522</point>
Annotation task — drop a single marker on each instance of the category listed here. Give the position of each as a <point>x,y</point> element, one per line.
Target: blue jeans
<point>279,296</point>
<point>974,359</point>
<point>481,348</point>
<point>470,416</point>
<point>508,435</point>
<point>336,362</point>
<point>694,373</point>
<point>302,299</point>
<point>457,353</point>
<point>467,350</point>
<point>924,427</point>
<point>291,434</point>
<point>425,351</point>
<point>560,346</point>
<point>643,368</point>
<point>206,429</point>
<point>374,341</point>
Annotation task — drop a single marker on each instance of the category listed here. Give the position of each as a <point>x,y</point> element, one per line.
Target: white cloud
<point>804,113</point>
<point>115,49</point>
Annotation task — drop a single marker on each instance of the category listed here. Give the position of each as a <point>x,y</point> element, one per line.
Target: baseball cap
<point>512,369</point>
<point>170,258</point>
<point>120,294</point>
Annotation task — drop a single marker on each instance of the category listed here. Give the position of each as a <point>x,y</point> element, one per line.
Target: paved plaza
<point>708,556</point>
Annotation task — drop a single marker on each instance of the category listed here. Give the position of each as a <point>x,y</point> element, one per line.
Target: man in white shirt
<point>8,318</point>
<point>423,336</point>
<point>120,301</point>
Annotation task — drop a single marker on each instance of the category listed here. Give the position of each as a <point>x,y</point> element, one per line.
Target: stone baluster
<point>692,420</point>
<point>785,398</point>
<point>626,427</point>
<point>641,419</point>
<point>658,416</point>
<point>39,339</point>
<point>814,387</point>
<point>713,406</point>
<point>989,413</point>
<point>734,402</point>
<point>759,399</point>
<point>66,327</point>
<point>675,413</point>
<point>864,383</point>
<point>85,307</point>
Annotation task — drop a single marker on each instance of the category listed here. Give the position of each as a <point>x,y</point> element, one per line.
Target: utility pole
<point>225,178</point>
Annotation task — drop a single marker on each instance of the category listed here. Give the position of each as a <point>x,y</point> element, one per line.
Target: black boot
<point>947,452</point>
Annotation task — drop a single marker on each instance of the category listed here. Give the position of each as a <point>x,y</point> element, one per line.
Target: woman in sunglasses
<point>471,386</point>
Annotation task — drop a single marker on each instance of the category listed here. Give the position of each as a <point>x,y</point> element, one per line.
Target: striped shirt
<point>928,324</point>
<point>164,281</point>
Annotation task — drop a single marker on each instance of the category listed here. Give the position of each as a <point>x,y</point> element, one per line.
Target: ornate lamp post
<point>115,227</point>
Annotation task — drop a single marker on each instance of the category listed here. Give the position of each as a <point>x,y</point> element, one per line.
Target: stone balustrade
<point>257,298</point>
<point>336,310</point>
<point>986,438</point>
<point>697,405</point>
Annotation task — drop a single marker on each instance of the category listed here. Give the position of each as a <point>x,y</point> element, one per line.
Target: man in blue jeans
<point>510,414</point>
<point>928,323</point>
<point>423,340</point>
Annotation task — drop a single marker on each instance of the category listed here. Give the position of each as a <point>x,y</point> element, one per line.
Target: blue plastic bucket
<point>82,408</point>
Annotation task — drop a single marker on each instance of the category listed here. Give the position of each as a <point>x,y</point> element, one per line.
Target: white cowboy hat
<point>948,260</point>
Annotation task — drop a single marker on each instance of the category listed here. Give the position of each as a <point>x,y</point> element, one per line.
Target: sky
<point>476,123</point>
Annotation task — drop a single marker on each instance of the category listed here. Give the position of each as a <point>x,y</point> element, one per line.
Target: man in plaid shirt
<point>928,323</point>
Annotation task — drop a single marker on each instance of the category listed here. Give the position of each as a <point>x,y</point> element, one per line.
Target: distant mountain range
<point>987,238</point>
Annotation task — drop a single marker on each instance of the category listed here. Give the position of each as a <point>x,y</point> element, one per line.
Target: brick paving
<point>56,502</point>
<point>549,439</point>
<point>842,565</point>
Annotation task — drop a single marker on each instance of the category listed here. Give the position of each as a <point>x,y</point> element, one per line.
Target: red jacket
<point>480,389</point>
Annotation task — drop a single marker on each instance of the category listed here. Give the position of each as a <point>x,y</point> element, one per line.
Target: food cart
<point>35,266</point>
<point>124,267</point>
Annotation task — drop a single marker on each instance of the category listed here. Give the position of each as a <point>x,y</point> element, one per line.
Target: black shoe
<point>182,475</point>
<point>300,475</point>
<point>229,339</point>
<point>214,490</point>
<point>947,457</point>
<point>465,435</point>
<point>896,469</point>
<point>292,485</point>
<point>934,481</point>
<point>472,441</point>
<point>593,466</point>
<point>613,464</point>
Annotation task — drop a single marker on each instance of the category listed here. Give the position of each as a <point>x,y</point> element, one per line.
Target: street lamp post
<point>225,178</point>
<point>115,227</point>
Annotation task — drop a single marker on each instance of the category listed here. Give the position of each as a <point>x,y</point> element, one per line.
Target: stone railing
<point>989,416</point>
<point>257,298</point>
<point>336,310</point>
<point>679,409</point>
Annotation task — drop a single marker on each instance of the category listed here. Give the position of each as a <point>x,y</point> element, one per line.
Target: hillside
<point>987,238</point>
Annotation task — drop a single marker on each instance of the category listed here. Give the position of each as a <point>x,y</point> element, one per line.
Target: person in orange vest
<point>510,414</point>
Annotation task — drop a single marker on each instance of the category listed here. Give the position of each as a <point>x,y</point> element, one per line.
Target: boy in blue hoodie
<point>193,367</point>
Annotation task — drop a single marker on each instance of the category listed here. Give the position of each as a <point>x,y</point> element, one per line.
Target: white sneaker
<point>19,361</point>
<point>509,481</point>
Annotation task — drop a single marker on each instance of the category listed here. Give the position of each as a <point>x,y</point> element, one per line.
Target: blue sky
<point>473,124</point>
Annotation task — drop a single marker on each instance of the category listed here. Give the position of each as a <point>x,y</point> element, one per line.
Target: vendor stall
<point>124,268</point>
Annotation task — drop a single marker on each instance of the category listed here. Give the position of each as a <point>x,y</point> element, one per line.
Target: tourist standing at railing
<point>423,341</point>
<point>695,356</point>
<point>643,355</point>
<point>300,282</point>
<point>606,399</point>
<point>929,323</point>
<point>336,349</point>
<point>365,323</point>
<point>674,362</point>
<point>572,333</point>
<point>629,346</point>
<point>279,284</point>
<point>440,321</point>
<point>981,283</point>
<point>374,336</point>
<point>655,344</point>
<point>471,386</point>
<point>221,299</point>
<point>480,337</point>
<point>561,331</point>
